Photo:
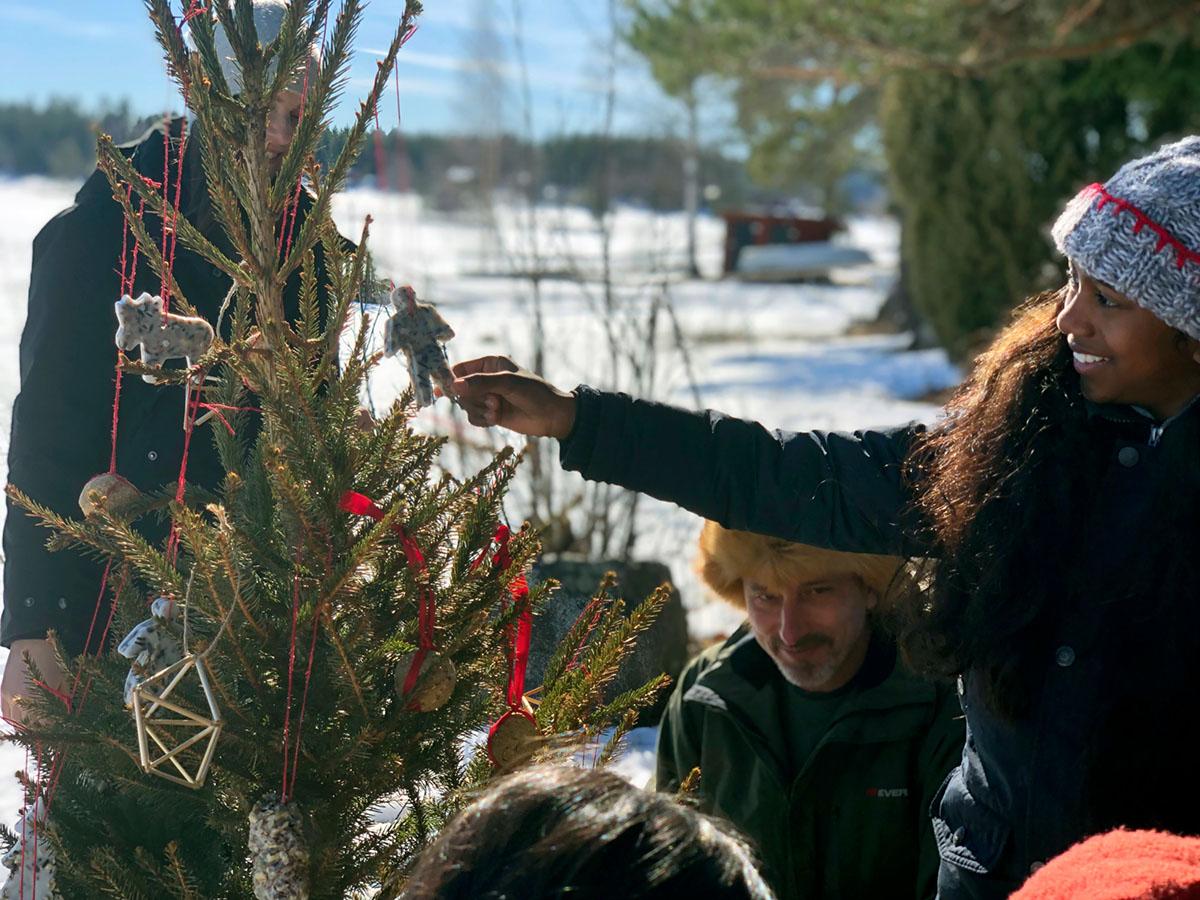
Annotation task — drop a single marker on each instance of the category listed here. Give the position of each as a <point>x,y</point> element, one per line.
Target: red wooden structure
<point>744,228</point>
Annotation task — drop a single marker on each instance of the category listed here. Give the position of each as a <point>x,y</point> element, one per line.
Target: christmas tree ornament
<point>110,491</point>
<point>425,678</point>
<point>419,330</point>
<point>430,685</point>
<point>176,742</point>
<point>513,738</point>
<point>150,645</point>
<point>278,851</point>
<point>30,860</point>
<point>162,336</point>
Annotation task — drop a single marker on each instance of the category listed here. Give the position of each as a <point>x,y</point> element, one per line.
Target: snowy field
<point>777,353</point>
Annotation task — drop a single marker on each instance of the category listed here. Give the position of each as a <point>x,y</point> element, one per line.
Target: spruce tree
<point>331,586</point>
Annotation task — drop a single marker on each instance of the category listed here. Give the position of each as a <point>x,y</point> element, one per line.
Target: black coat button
<point>1065,656</point>
<point>1128,457</point>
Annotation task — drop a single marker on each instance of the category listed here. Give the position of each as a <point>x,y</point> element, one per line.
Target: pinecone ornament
<point>279,854</point>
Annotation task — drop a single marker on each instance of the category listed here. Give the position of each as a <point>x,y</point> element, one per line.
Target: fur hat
<point>729,558</point>
<point>1140,233</point>
<point>1120,865</point>
<point>269,16</point>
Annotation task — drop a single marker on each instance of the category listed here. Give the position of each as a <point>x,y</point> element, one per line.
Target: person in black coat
<point>1056,508</point>
<point>62,416</point>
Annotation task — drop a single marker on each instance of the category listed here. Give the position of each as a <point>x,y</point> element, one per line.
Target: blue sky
<point>102,50</point>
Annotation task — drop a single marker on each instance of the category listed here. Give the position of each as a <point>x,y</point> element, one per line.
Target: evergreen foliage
<point>301,611</point>
<point>992,116</point>
<point>980,167</point>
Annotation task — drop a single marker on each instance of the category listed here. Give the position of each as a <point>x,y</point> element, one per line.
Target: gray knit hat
<point>268,22</point>
<point>1140,233</point>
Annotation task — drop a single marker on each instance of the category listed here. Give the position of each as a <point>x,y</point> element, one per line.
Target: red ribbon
<point>518,637</point>
<point>196,10</point>
<point>518,654</point>
<point>362,505</point>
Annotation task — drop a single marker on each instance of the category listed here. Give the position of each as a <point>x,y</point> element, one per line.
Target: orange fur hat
<point>729,558</point>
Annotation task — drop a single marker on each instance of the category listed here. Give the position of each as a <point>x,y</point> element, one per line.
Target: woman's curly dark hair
<point>1007,487</point>
<point>1004,484</point>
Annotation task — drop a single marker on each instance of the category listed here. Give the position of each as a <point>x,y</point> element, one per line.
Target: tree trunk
<point>691,178</point>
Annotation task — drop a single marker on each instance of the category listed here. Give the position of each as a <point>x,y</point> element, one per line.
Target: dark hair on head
<point>559,831</point>
<point>1021,536</point>
<point>991,484</point>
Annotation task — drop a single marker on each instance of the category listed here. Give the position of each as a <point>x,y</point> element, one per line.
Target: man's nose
<point>792,621</point>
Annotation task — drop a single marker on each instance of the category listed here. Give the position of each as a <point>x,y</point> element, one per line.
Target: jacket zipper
<point>1156,431</point>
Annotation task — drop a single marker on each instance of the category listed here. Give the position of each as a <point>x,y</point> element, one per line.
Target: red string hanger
<point>382,181</point>
<point>513,737</point>
<point>292,207</point>
<point>425,678</point>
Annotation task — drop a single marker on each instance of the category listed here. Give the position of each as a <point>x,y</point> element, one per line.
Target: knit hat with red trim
<point>1140,233</point>
<point>1120,865</point>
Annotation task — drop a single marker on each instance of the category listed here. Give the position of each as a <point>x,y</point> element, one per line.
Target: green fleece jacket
<point>852,819</point>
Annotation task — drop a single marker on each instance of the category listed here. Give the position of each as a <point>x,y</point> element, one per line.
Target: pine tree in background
<point>344,621</point>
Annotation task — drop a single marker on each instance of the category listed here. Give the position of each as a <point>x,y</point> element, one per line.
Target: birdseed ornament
<point>151,646</point>
<point>514,738</point>
<point>161,337</point>
<point>419,330</point>
<point>112,491</point>
<point>31,873</point>
<point>278,852</point>
<point>432,684</point>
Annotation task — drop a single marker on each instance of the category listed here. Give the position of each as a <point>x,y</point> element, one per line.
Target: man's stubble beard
<point>808,677</point>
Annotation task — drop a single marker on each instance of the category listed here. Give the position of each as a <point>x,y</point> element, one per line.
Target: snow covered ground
<point>777,353</point>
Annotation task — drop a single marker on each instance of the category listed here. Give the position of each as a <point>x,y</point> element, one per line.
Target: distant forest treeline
<point>59,140</point>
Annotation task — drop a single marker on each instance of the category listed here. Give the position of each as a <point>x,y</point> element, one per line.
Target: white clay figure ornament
<point>161,338</point>
<point>150,645</point>
<point>31,878</point>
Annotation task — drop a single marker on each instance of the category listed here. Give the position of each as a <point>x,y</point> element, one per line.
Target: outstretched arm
<point>844,491</point>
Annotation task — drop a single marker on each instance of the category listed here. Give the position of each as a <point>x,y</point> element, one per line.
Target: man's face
<point>281,127</point>
<point>816,632</point>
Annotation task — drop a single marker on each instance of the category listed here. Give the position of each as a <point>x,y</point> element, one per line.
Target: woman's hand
<point>17,675</point>
<point>494,390</point>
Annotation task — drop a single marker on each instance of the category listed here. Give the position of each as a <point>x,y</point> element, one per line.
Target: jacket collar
<point>1135,417</point>
<point>742,675</point>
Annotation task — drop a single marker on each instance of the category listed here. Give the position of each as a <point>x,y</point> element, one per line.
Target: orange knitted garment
<point>1120,865</point>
